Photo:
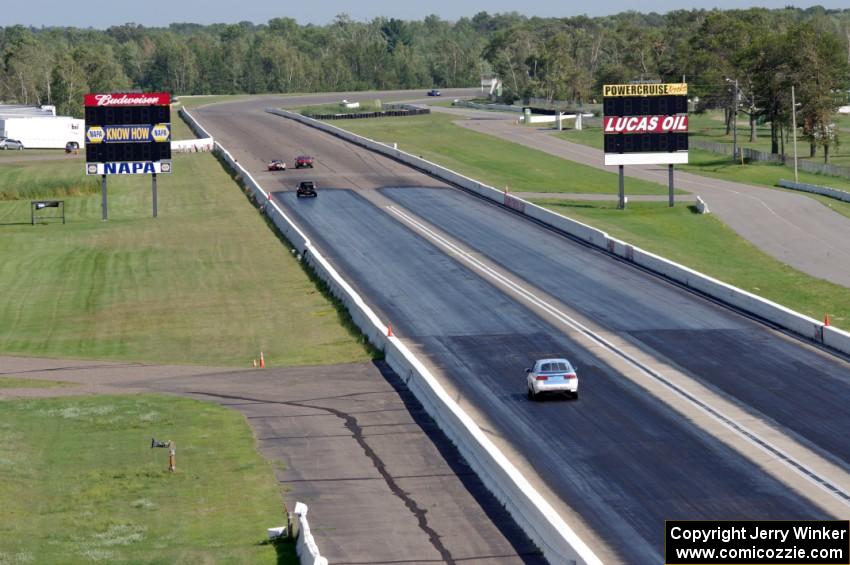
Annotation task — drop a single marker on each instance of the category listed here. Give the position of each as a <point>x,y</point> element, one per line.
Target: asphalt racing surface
<point>621,459</point>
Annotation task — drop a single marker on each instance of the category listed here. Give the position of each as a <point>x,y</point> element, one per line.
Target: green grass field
<point>81,484</point>
<point>25,180</point>
<point>206,282</point>
<point>15,382</point>
<point>491,160</point>
<point>704,243</point>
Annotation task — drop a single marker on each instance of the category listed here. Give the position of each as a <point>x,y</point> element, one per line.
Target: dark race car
<point>306,188</point>
<point>434,92</point>
<point>303,161</point>
<point>277,165</point>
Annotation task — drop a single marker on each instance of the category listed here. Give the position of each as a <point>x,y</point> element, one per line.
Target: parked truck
<point>50,132</point>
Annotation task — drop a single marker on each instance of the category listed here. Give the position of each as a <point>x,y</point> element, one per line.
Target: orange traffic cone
<point>270,195</point>
<point>826,319</point>
<point>262,361</point>
<point>390,331</point>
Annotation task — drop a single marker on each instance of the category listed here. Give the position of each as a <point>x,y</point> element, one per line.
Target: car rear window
<point>554,367</point>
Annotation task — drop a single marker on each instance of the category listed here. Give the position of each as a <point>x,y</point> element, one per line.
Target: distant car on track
<point>551,375</point>
<point>303,161</point>
<point>306,188</point>
<point>434,92</point>
<point>277,165</point>
<point>9,143</point>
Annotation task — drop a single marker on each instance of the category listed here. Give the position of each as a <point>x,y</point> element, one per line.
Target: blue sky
<point>104,13</point>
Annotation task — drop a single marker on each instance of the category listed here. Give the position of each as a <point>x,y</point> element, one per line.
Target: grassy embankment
<point>490,160</point>
<point>81,484</point>
<point>204,283</point>
<point>700,242</point>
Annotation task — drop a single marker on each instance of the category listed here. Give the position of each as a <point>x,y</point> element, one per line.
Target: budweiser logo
<point>125,100</point>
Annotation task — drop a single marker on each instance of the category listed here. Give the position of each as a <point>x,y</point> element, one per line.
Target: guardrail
<point>490,107</point>
<point>825,190</point>
<point>761,308</point>
<point>558,542</point>
<point>394,110</point>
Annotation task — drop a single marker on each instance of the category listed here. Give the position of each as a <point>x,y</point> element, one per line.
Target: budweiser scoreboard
<point>645,124</point>
<point>128,133</point>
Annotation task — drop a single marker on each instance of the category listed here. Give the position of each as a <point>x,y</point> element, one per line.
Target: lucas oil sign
<point>645,123</point>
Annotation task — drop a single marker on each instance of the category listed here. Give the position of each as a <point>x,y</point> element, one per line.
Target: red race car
<point>303,161</point>
<point>277,165</point>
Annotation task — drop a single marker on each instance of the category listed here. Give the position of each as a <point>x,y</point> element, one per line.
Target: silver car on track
<point>551,375</point>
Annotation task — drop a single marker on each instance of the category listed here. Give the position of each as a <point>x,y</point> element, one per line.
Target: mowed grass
<point>206,282</point>
<point>60,178</point>
<point>704,243</point>
<point>81,483</point>
<point>491,160</point>
<point>16,382</point>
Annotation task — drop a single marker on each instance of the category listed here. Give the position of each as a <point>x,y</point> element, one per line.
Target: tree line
<point>765,51</point>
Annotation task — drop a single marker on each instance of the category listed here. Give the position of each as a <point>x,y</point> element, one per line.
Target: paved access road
<point>382,482</point>
<point>629,454</point>
<point>793,228</point>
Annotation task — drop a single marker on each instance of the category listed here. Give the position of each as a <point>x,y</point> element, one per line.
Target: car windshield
<point>555,367</point>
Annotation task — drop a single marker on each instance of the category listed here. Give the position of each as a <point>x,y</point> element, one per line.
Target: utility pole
<point>734,118</point>
<point>794,130</point>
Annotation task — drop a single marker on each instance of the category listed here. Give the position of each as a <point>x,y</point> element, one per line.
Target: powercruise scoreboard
<point>645,124</point>
<point>128,133</point>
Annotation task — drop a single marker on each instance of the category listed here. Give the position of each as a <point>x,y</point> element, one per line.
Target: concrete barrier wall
<point>534,514</point>
<point>777,314</point>
<point>192,145</point>
<point>305,545</point>
<point>836,339</point>
<point>826,191</point>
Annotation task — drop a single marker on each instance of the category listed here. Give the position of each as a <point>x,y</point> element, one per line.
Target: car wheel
<point>533,396</point>
<point>575,395</point>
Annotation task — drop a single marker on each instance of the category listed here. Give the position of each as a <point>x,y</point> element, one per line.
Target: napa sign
<point>143,133</point>
<point>128,168</point>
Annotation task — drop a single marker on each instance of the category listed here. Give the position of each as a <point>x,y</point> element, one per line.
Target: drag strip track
<point>800,388</point>
<point>608,455</point>
<point>620,458</point>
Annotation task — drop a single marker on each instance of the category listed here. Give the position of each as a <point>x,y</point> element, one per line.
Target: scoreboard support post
<point>669,184</point>
<point>622,203</point>
<point>153,192</point>
<point>103,207</point>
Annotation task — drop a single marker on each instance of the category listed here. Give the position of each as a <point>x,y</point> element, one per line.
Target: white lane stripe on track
<point>739,429</point>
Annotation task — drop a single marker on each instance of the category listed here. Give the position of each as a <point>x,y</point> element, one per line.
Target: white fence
<point>558,542</point>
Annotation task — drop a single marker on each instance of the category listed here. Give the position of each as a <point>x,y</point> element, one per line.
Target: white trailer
<point>50,132</point>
